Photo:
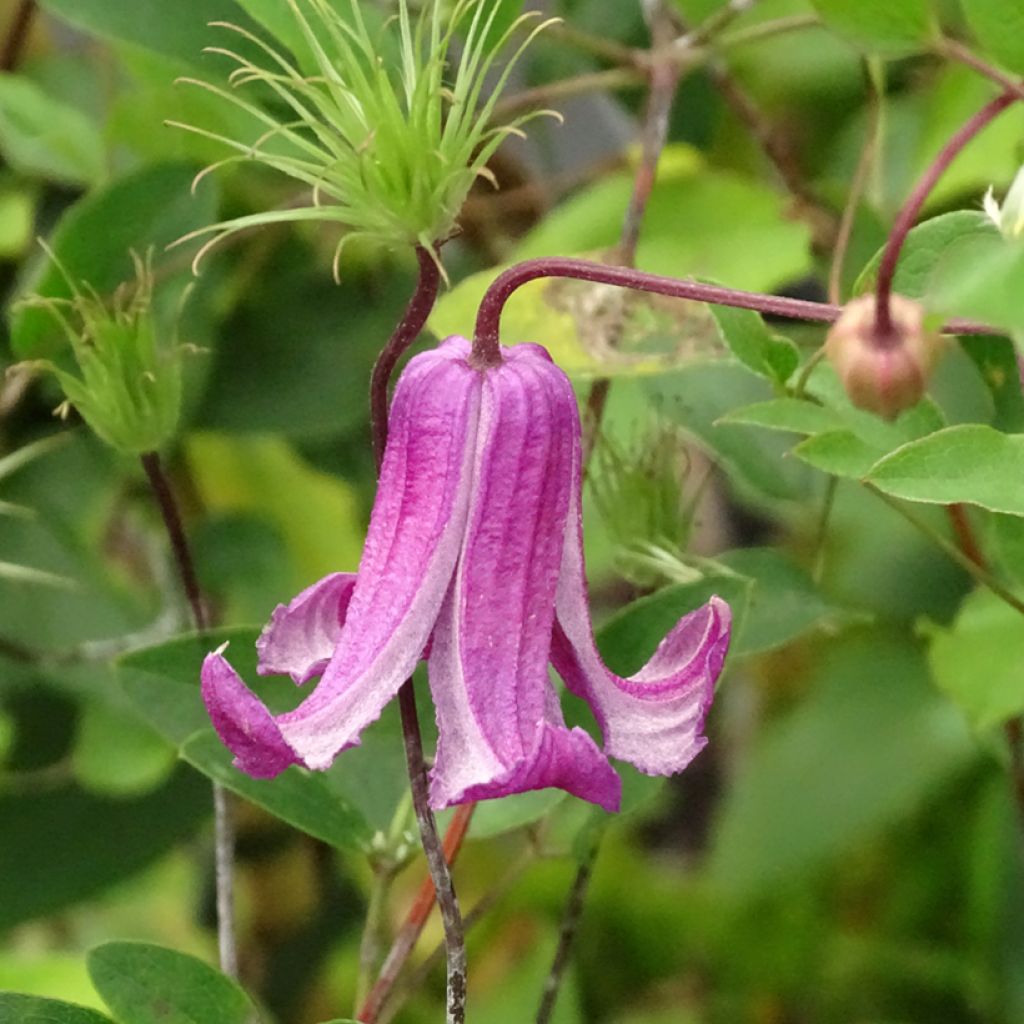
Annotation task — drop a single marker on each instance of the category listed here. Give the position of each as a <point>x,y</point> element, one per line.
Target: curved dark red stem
<point>486,350</point>
<point>912,207</point>
<point>413,321</point>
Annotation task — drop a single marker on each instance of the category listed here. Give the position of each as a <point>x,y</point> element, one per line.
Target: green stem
<point>980,574</point>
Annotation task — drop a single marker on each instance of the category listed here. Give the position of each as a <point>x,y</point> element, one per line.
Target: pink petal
<point>500,727</point>
<point>243,722</point>
<point>301,636</point>
<point>655,718</point>
<point>413,542</point>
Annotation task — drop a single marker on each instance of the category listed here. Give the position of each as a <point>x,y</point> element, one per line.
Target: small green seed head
<point>127,386</point>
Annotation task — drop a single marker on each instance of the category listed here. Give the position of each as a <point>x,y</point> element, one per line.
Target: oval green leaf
<point>148,984</point>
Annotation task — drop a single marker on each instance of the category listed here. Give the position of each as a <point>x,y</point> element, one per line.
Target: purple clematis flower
<point>474,560</point>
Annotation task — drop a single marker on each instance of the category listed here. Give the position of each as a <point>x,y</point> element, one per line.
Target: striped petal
<point>302,635</point>
<point>655,718</point>
<point>500,726</point>
<point>414,538</point>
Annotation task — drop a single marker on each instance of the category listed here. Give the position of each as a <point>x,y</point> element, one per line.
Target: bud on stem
<point>884,369</point>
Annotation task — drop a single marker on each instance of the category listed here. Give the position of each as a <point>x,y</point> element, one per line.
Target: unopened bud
<point>884,374</point>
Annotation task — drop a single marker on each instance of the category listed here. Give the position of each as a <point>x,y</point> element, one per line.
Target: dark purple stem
<point>164,496</point>
<point>224,832</point>
<point>567,933</point>
<point>912,207</point>
<point>17,35</point>
<point>416,313</point>
<point>413,320</point>
<point>488,321</point>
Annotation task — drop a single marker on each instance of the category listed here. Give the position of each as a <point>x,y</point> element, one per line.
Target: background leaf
<point>18,1009</point>
<point>999,26</point>
<point>44,137</point>
<point>877,26</point>
<point>147,984</point>
<point>971,463</point>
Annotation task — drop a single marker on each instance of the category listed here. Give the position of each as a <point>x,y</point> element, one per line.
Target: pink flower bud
<point>884,374</point>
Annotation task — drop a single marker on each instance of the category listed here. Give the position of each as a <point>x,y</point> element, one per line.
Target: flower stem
<point>570,925</point>
<point>1013,729</point>
<point>979,572</point>
<point>164,495</point>
<point>488,320</point>
<point>957,51</point>
<point>223,825</point>
<point>415,921</point>
<point>447,900</point>
<point>665,74</point>
<point>912,207</point>
<point>404,334</point>
<point>17,35</point>
<point>413,320</point>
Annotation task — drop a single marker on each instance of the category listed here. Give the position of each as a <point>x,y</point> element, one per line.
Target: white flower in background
<point>1009,217</point>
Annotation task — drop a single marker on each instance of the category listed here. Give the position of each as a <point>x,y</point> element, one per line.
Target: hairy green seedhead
<point>128,384</point>
<point>389,149</point>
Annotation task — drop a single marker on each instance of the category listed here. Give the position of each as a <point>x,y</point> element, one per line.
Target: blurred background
<point>847,847</point>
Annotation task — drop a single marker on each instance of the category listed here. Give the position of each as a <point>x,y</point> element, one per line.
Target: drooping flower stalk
<point>485,337</point>
<point>907,215</point>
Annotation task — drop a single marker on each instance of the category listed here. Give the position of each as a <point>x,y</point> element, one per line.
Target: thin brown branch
<point>567,933</point>
<point>664,84</point>
<point>957,51</point>
<point>857,188</point>
<point>17,35</point>
<point>415,921</point>
<point>1013,729</point>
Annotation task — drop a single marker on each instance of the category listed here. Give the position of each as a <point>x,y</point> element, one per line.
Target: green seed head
<point>127,386</point>
<point>388,149</point>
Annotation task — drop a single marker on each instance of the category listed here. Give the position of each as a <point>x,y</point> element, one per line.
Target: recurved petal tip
<point>655,718</point>
<point>301,636</point>
<point>243,722</point>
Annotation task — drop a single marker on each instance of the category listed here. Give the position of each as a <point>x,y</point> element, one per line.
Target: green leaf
<point>879,26</point>
<point>790,414</point>
<point>495,817</point>
<point>999,26</point>
<point>162,681</point>
<point>970,463</point>
<point>17,220</point>
<point>42,137</point>
<point>176,30</point>
<point>983,279</point>
<point>317,514</point>
<point>42,870</point>
<point>697,398</point>
<point>163,684</point>
<point>867,744</point>
<point>839,452</point>
<point>148,984</point>
<point>18,1009</point>
<point>996,360</point>
<point>783,602</point>
<point>116,754</point>
<point>95,238</point>
<point>979,661</point>
<point>754,345</point>
<point>926,246</point>
<point>302,798</point>
<point>1008,544</point>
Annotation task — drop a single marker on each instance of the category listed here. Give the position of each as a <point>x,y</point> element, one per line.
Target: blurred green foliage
<point>846,850</point>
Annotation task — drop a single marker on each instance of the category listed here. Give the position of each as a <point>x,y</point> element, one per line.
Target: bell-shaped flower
<point>474,561</point>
